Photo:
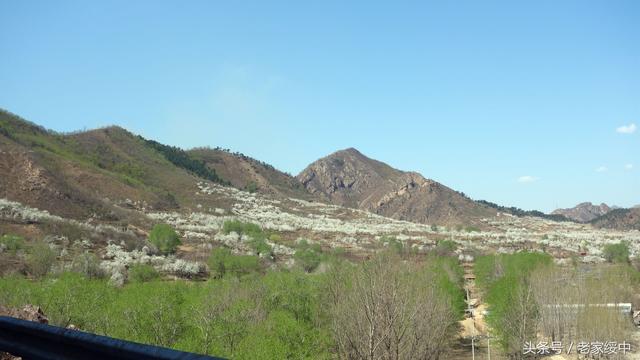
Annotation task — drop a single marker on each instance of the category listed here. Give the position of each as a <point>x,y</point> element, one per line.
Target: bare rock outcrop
<point>349,178</point>
<point>584,212</point>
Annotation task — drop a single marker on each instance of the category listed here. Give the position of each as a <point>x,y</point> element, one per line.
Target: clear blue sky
<point>515,102</point>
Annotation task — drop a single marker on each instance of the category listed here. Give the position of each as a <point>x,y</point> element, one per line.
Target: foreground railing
<point>31,340</point>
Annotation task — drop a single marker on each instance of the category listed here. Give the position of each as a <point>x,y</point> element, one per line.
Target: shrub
<point>183,268</point>
<point>242,264</point>
<point>11,243</point>
<point>393,244</point>
<point>251,187</point>
<point>88,265</point>
<point>308,258</point>
<point>261,247</point>
<point>164,238</point>
<point>258,237</point>
<point>40,259</point>
<point>616,253</point>
<point>252,230</point>
<point>275,238</point>
<point>223,262</point>
<point>143,273</point>
<point>445,247</point>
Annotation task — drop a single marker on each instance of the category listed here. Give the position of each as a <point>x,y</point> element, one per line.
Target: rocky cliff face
<point>620,219</point>
<point>349,178</point>
<point>584,212</point>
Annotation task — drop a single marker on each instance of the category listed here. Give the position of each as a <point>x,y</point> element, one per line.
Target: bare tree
<point>555,292</point>
<point>518,320</point>
<point>387,311</point>
<point>226,313</point>
<point>582,304</point>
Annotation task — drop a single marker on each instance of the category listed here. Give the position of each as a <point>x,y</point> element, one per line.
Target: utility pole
<point>489,347</point>
<point>473,326</point>
<point>473,351</point>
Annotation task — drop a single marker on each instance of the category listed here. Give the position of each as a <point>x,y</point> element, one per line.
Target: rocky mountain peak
<point>584,212</point>
<point>349,178</point>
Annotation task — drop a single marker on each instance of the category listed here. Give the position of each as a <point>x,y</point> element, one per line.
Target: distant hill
<point>583,212</point>
<point>519,212</point>
<point>621,219</point>
<point>244,172</point>
<point>85,174</point>
<point>104,172</point>
<point>351,179</point>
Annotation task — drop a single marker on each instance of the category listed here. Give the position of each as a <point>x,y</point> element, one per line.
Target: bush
<point>251,187</point>
<point>164,238</point>
<point>88,265</point>
<point>143,273</point>
<point>393,244</point>
<point>445,247</point>
<point>308,256</point>
<point>40,259</point>
<point>275,238</point>
<point>472,229</point>
<point>222,262</point>
<point>616,253</point>
<point>241,228</point>
<point>253,231</point>
<point>261,247</point>
<point>11,243</point>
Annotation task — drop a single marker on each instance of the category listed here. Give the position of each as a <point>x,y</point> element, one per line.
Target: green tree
<point>445,248</point>
<point>616,253</point>
<point>165,238</point>
<point>40,259</point>
<point>223,262</point>
<point>308,256</point>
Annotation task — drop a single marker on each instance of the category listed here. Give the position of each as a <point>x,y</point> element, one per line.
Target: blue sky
<point>514,102</point>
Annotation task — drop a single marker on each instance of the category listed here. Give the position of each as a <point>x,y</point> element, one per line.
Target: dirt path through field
<point>473,329</point>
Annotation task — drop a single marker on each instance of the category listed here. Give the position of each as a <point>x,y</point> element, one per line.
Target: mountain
<point>94,174</point>
<point>520,213</point>
<point>349,178</point>
<point>583,212</point>
<point>103,173</point>
<point>244,172</point>
<point>620,219</point>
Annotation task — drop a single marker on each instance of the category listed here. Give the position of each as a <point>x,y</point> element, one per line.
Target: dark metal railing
<point>31,340</point>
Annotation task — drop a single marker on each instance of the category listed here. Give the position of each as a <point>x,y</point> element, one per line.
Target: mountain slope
<point>94,174</point>
<point>620,219</point>
<point>583,212</point>
<point>244,172</point>
<point>349,178</point>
